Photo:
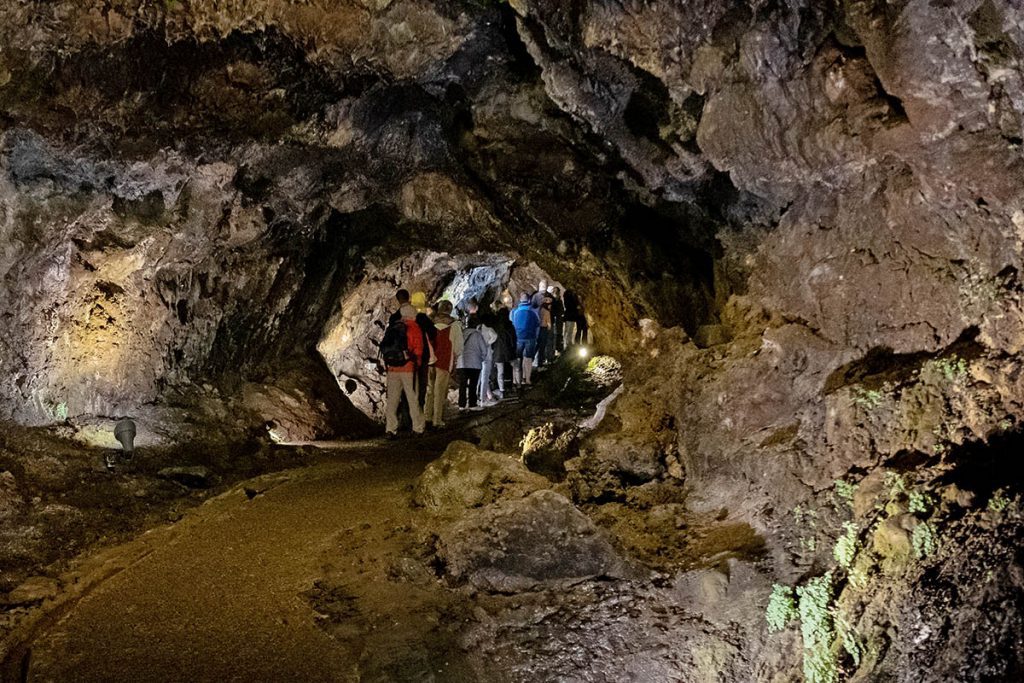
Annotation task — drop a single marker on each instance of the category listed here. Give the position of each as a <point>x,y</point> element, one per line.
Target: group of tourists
<point>491,354</point>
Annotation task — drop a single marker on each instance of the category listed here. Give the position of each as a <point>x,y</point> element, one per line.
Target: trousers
<point>437,396</point>
<point>469,378</point>
<point>402,383</point>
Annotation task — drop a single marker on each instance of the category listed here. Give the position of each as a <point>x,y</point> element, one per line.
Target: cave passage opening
<point>349,342</point>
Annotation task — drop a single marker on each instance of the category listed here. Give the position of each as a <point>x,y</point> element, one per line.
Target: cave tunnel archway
<point>349,340</point>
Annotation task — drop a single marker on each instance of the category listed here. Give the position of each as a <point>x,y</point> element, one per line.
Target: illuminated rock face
<point>827,198</point>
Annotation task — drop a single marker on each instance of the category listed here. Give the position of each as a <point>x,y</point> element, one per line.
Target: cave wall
<point>167,166</point>
<point>800,224</point>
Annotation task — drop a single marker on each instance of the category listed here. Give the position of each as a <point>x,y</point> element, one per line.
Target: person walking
<point>504,350</point>
<point>447,347</point>
<point>527,326</point>
<point>538,297</point>
<point>402,350</point>
<point>490,335</point>
<point>544,333</point>
<point>474,350</point>
<point>582,327</point>
<point>426,325</point>
<point>557,321</point>
<point>571,304</point>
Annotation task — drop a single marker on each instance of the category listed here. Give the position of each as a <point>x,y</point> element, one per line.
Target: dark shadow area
<point>985,467</point>
<point>676,277</point>
<point>225,85</point>
<point>881,365</point>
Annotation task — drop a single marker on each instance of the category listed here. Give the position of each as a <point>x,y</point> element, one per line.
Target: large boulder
<point>466,477</point>
<point>539,541</point>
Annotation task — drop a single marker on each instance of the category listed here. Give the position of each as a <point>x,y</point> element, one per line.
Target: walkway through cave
<point>319,573</point>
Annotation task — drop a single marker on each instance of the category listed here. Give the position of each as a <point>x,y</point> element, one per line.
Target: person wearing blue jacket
<point>527,323</point>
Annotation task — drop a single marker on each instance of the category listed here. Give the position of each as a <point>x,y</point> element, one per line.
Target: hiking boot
<point>391,436</point>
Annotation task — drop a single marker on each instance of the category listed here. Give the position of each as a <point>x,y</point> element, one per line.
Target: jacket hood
<point>442,320</point>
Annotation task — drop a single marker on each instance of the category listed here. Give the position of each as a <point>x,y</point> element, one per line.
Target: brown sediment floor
<point>225,593</point>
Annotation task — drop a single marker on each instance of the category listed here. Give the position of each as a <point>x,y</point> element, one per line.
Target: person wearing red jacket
<point>402,378</point>
<point>447,347</point>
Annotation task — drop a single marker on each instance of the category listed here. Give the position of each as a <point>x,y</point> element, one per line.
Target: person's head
<point>556,291</point>
<point>473,306</point>
<point>402,296</point>
<point>419,300</point>
<point>524,298</point>
<point>444,306</point>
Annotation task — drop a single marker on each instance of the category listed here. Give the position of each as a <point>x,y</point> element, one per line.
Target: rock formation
<point>799,225</point>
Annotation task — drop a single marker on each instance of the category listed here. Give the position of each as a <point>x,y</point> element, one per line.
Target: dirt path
<point>221,596</point>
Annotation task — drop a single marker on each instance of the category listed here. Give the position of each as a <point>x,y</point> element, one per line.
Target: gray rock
<point>520,545</point>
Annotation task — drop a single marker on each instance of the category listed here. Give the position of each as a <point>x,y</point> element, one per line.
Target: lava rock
<point>466,477</point>
<point>197,477</point>
<point>33,591</point>
<point>610,467</point>
<point>10,500</point>
<point>520,545</point>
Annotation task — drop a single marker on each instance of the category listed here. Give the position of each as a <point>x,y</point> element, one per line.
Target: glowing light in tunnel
<point>583,352</point>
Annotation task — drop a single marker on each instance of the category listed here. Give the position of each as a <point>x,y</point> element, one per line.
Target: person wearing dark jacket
<point>428,334</point>
<point>582,328</point>
<point>555,344</point>
<point>504,348</point>
<point>571,307</point>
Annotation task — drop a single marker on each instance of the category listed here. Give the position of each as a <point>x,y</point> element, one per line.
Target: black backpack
<point>394,347</point>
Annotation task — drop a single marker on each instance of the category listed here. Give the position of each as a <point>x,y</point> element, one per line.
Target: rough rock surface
<point>467,477</point>
<point>10,499</point>
<point>828,197</point>
<point>526,543</point>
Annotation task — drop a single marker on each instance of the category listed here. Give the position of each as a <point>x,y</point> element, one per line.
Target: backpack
<point>394,347</point>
